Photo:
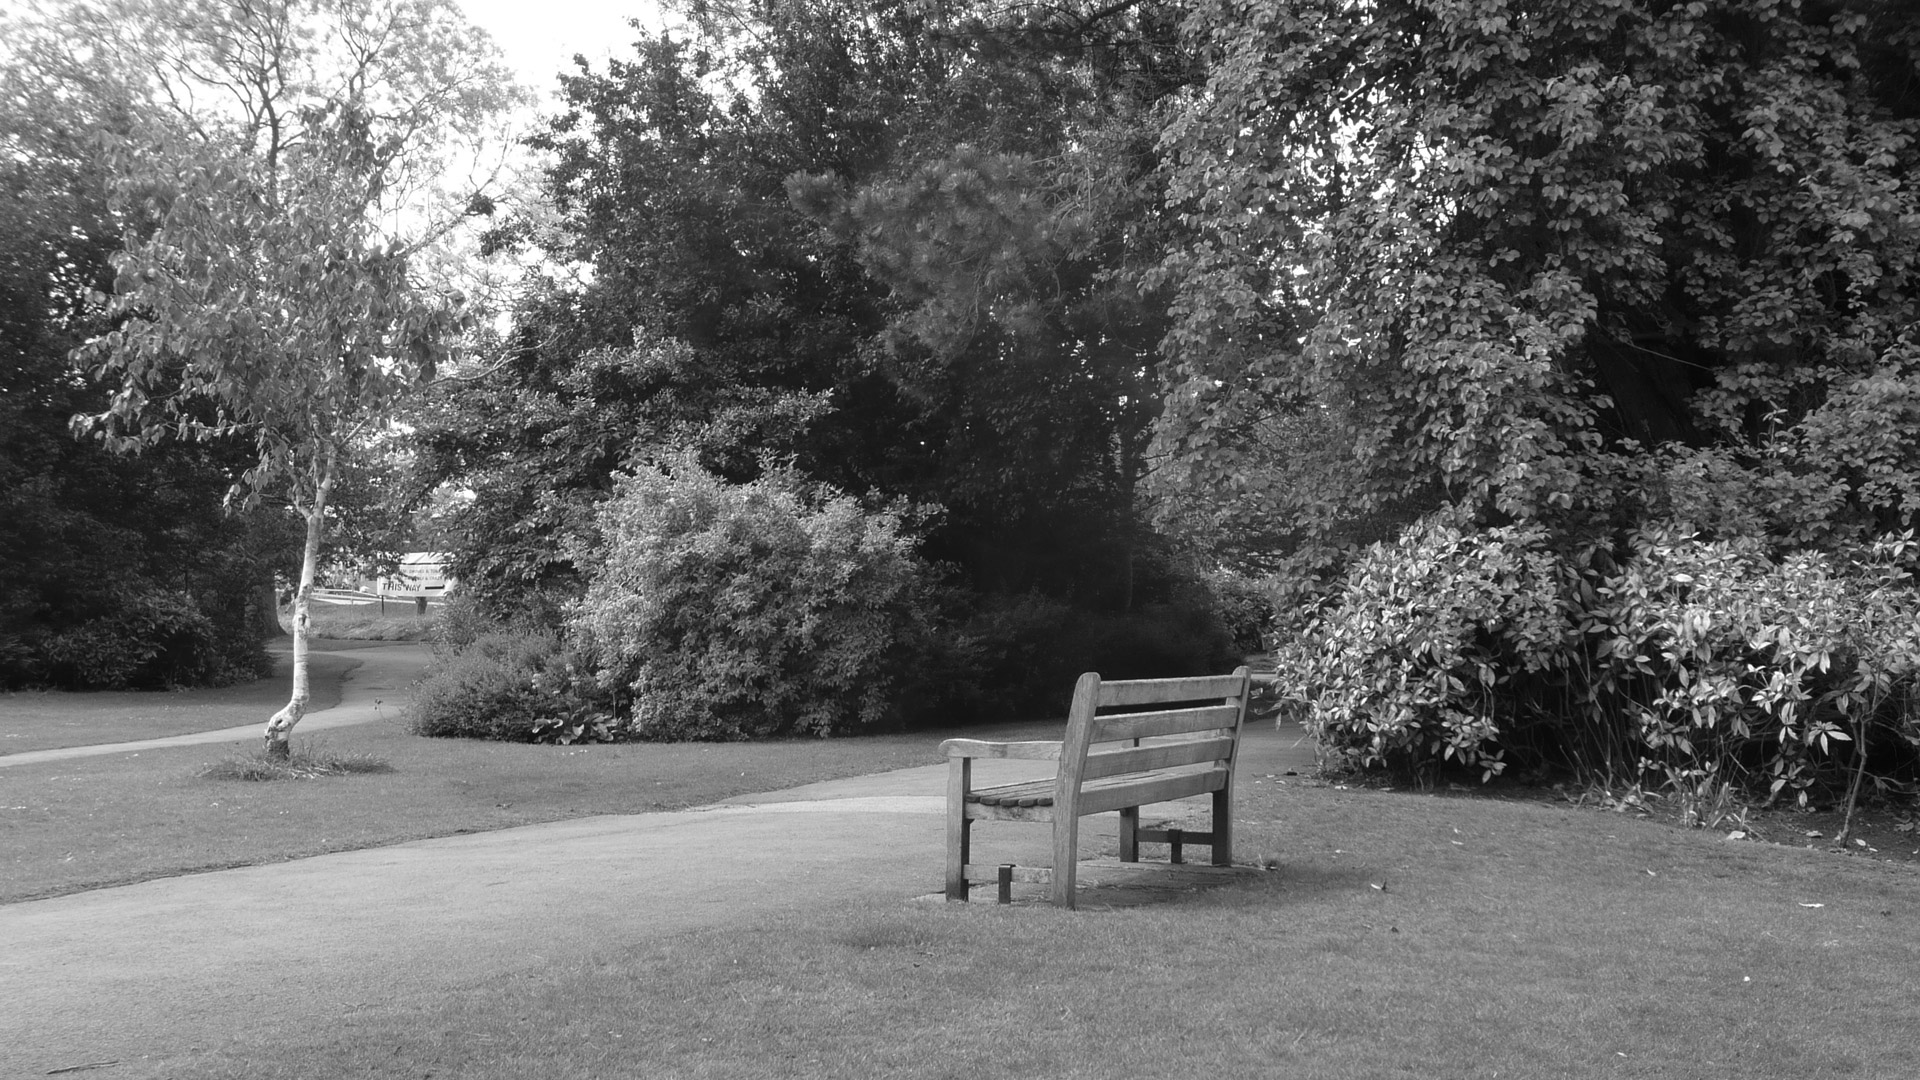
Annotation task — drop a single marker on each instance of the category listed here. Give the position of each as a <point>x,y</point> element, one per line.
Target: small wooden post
<point>1006,883</point>
<point>1174,840</point>
<point>1130,833</point>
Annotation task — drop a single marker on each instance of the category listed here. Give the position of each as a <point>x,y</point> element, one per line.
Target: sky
<point>540,37</point>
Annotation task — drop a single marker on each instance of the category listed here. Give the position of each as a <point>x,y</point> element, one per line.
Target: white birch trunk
<point>280,726</point>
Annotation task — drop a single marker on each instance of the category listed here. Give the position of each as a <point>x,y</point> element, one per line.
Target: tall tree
<point>294,188</point>
<point>114,570</point>
<point>1569,261</point>
<point>915,230</point>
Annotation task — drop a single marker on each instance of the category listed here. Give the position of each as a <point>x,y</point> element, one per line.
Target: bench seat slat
<point>982,812</point>
<point>1024,793</point>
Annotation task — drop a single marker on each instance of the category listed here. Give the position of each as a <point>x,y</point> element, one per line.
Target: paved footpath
<point>141,974</point>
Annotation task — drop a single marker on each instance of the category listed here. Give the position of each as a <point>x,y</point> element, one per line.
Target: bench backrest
<point>1190,722</point>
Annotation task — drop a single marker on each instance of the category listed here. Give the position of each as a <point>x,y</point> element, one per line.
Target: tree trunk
<point>280,726</point>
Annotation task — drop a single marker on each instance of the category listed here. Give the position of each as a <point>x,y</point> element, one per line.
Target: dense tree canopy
<point>114,570</point>
<point>1594,322</point>
<point>900,251</point>
<point>1561,284</point>
<point>1580,261</point>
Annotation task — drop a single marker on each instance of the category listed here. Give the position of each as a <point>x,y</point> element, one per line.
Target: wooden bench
<point>1120,753</point>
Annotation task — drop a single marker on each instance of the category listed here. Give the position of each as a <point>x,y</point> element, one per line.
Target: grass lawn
<point>39,721</point>
<point>1403,935</point>
<point>367,622</point>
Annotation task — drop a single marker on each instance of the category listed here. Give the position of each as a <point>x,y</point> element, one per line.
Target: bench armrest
<point>976,748</point>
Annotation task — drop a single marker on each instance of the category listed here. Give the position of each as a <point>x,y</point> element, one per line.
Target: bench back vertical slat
<point>1079,737</point>
<point>1066,786</point>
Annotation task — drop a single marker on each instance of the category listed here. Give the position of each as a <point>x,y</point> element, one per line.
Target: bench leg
<point>1066,844</point>
<point>1130,834</point>
<point>1222,828</point>
<point>959,778</point>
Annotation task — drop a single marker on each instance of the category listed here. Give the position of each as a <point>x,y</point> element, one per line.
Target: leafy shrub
<point>1008,660</point>
<point>1733,666</point>
<point>152,640</point>
<point>1246,609</point>
<point>18,661</point>
<point>1697,665</point>
<point>511,685</point>
<point>726,611</point>
<point>461,622</point>
<point>1408,664</point>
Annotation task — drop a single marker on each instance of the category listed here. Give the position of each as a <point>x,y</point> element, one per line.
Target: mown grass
<point>367,622</point>
<point>1404,935</point>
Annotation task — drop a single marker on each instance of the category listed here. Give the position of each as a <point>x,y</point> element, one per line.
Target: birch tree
<point>288,210</point>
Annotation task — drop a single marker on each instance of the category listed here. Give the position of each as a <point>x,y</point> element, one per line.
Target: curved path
<point>381,674</point>
<point>146,975</point>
